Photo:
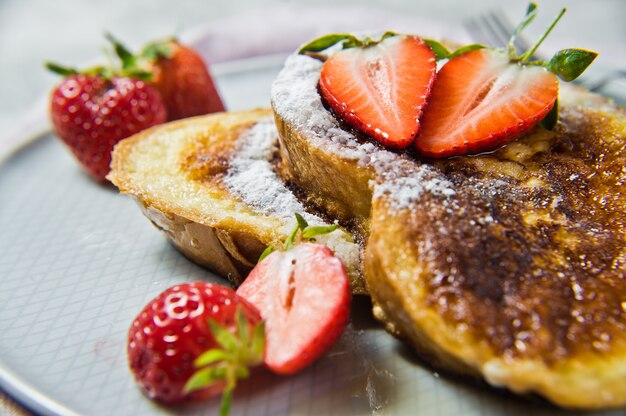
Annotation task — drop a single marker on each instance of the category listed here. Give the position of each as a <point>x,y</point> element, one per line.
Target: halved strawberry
<point>481,100</point>
<point>484,98</point>
<point>303,295</point>
<point>381,87</point>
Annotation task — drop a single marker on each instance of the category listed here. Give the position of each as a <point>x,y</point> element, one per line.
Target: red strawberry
<point>304,297</point>
<point>191,326</point>
<point>91,114</point>
<point>480,101</point>
<point>381,89</point>
<point>185,83</point>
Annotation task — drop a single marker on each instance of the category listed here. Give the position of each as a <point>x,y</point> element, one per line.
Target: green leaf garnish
<point>268,250</point>
<point>465,49</point>
<point>126,56</point>
<point>440,51</point>
<point>158,50</point>
<point>301,221</point>
<point>223,336</point>
<point>61,70</point>
<point>243,328</point>
<point>569,64</point>
<point>326,41</point>
<point>314,231</point>
<point>550,120</point>
<point>258,340</point>
<point>210,357</point>
<point>292,236</point>
<point>203,378</point>
<point>229,363</point>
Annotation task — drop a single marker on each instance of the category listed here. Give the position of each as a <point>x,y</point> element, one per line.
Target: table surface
<point>70,32</point>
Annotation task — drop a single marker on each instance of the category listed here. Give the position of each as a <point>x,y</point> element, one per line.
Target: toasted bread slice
<point>209,184</point>
<point>509,266</point>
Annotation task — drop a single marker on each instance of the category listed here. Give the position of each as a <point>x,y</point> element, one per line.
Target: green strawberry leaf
<point>569,64</point>
<point>223,336</point>
<point>258,341</point>
<point>367,41</point>
<point>61,70</point>
<point>205,377</point>
<point>268,250</point>
<point>301,221</point>
<point>243,328</point>
<point>550,120</point>
<point>210,357</point>
<point>314,231</point>
<point>465,49</point>
<point>440,51</point>
<point>154,51</point>
<point>126,56</point>
<point>242,372</point>
<point>138,74</point>
<point>326,41</point>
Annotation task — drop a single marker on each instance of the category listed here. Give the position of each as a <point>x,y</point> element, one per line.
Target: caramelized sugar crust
<point>531,255</point>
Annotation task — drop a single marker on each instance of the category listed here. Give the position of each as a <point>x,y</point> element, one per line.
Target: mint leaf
<point>326,41</point>
<point>569,64</point>
<point>440,51</point>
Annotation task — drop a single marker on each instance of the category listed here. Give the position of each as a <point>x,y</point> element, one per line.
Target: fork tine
<point>506,27</point>
<point>485,30</point>
<point>499,32</point>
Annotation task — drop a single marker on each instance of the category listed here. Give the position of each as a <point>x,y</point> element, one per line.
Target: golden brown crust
<point>176,173</point>
<point>338,185</point>
<point>516,272</point>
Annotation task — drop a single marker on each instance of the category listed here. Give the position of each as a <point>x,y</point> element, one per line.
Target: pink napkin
<point>283,29</point>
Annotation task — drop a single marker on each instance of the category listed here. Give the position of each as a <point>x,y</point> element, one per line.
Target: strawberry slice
<point>381,88</point>
<point>303,295</point>
<point>481,101</point>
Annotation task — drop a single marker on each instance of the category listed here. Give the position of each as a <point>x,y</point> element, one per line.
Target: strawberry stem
<point>227,399</point>
<point>529,53</point>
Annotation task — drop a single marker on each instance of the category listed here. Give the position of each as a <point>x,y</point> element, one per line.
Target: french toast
<point>209,184</point>
<point>508,266</point>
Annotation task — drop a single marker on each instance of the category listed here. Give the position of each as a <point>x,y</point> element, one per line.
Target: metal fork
<point>494,29</point>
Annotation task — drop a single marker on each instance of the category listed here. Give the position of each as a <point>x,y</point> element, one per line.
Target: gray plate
<point>78,262</point>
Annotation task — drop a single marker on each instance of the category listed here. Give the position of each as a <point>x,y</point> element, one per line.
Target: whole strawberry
<point>194,341</point>
<point>184,81</point>
<point>91,113</point>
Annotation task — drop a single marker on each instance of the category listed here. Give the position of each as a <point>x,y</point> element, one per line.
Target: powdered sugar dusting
<point>296,99</point>
<point>406,189</point>
<point>252,179</point>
